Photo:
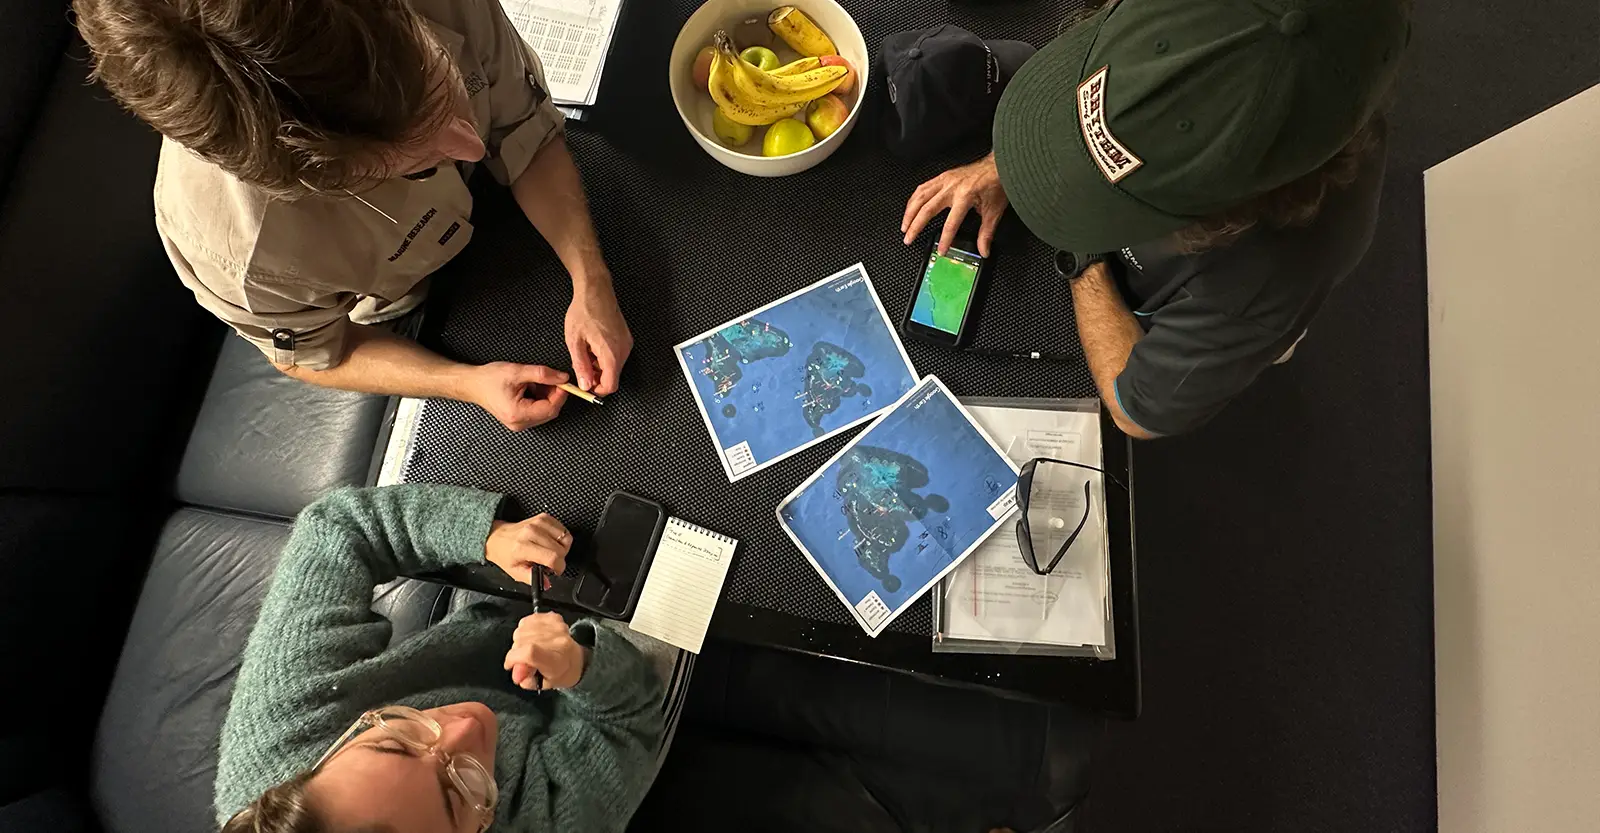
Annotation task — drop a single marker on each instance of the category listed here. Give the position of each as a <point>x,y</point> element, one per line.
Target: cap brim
<point>1011,54</point>
<point>1057,189</point>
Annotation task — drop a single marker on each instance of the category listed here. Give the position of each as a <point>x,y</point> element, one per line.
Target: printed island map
<point>796,371</point>
<point>901,505</point>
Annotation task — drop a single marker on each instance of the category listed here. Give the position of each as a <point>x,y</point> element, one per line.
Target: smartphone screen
<point>945,295</point>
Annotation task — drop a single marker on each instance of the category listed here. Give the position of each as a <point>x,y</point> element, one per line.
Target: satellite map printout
<point>901,505</point>
<point>796,371</point>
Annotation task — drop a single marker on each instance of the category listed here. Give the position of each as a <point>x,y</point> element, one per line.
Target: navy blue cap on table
<point>1152,114</point>
<point>944,84</point>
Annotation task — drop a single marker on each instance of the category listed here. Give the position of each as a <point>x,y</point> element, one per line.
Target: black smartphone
<point>941,308</point>
<point>620,552</point>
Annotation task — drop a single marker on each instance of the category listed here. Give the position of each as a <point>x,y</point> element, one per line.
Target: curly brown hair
<point>286,809</point>
<point>1295,203</point>
<point>294,97</point>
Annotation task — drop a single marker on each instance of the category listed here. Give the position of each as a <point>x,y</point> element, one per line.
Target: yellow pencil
<point>581,393</point>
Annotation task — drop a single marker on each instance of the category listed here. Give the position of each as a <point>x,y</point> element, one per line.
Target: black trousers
<point>774,741</point>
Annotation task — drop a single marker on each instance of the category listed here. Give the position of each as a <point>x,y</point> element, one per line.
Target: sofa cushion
<point>268,444</point>
<point>31,40</point>
<point>156,753</point>
<point>70,566</point>
<point>110,352</point>
<point>411,606</point>
<point>57,811</point>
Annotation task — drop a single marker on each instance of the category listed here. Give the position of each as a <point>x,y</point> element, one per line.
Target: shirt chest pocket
<point>429,230</point>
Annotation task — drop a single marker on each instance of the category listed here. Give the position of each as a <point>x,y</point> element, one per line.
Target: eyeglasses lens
<point>409,728</point>
<point>1055,506</point>
<point>476,785</point>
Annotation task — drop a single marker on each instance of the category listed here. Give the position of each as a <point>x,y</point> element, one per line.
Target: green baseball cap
<point>1155,113</point>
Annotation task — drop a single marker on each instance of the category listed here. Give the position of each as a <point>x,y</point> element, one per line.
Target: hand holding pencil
<point>581,393</point>
<point>544,655</point>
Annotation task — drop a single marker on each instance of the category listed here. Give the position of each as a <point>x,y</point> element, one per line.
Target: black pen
<point>538,607</point>
<point>1031,355</point>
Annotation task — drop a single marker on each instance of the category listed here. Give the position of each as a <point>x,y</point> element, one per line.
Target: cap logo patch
<point>1115,161</point>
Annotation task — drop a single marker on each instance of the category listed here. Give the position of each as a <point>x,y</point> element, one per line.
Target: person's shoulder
<point>1292,263</point>
<point>461,16</point>
<point>206,212</point>
<point>230,230</point>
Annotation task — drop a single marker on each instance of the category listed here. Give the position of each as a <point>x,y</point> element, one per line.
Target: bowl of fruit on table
<point>769,91</point>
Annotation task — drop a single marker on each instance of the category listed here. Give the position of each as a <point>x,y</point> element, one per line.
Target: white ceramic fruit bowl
<point>695,106</point>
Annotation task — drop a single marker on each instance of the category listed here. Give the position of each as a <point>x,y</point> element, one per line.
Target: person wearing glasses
<point>1209,173</point>
<point>481,719</point>
<point>313,175</point>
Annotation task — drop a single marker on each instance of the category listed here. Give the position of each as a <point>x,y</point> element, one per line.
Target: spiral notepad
<point>684,584</point>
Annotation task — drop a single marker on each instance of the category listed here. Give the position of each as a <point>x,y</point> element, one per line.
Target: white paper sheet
<point>993,596</point>
<point>572,38</point>
<point>684,585</point>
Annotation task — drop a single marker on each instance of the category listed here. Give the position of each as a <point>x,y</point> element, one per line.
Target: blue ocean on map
<point>785,376</point>
<point>904,502</point>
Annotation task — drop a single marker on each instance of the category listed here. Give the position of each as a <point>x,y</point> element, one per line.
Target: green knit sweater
<point>574,760</point>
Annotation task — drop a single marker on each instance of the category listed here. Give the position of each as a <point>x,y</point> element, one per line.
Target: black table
<point>692,244</point>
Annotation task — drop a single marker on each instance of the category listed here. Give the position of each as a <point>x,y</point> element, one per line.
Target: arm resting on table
<point>1108,332</point>
<point>551,195</point>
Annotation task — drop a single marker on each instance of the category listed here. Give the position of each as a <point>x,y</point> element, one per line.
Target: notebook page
<point>572,38</point>
<point>684,584</point>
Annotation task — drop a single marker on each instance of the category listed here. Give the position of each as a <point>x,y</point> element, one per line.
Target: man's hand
<point>517,548</point>
<point>519,395</point>
<point>598,338</point>
<point>959,189</point>
<point>543,644</point>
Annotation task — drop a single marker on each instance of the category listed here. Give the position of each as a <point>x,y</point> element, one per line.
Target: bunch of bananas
<point>749,95</point>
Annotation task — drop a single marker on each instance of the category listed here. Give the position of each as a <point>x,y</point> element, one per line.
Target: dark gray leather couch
<point>149,465</point>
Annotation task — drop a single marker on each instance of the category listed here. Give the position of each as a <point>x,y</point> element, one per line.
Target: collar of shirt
<point>379,241</point>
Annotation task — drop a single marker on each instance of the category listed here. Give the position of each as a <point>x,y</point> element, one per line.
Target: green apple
<point>761,57</point>
<point>786,137</point>
<point>730,132</point>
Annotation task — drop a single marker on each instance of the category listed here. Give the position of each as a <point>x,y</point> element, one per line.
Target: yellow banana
<point>764,89</point>
<point>736,106</point>
<point>800,33</point>
<point>802,65</point>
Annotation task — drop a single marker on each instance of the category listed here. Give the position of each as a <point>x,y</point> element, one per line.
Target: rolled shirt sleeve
<point>294,326</point>
<point>523,117</point>
<point>1191,363</point>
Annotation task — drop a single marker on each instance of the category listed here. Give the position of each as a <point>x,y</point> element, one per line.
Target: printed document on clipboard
<point>572,38</point>
<point>993,603</point>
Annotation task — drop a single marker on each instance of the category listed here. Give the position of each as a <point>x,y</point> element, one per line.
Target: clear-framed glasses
<point>1046,492</point>
<point>420,735</point>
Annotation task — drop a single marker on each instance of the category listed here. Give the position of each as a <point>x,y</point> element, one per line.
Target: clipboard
<point>993,603</point>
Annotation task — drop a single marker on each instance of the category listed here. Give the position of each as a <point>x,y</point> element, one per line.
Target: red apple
<point>826,115</point>
<point>849,82</point>
<point>702,69</point>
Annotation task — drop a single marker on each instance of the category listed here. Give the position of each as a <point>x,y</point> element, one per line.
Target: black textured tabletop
<point>692,244</point>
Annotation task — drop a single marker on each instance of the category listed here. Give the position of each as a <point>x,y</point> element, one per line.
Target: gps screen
<point>946,290</point>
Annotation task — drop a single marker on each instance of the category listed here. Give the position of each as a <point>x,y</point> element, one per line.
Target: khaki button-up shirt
<point>286,274</point>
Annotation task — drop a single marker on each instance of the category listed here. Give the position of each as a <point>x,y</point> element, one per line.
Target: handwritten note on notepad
<point>684,584</point>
